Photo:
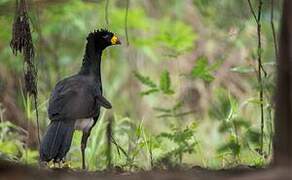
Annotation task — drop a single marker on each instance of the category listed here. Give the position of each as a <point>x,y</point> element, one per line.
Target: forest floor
<point>14,171</point>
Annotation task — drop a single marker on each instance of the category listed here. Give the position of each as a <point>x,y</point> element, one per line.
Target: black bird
<point>75,102</point>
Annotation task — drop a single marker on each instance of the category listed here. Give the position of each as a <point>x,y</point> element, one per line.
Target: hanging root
<point>21,36</point>
<point>30,75</point>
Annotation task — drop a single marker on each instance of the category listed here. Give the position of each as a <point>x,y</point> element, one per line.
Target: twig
<point>126,21</point>
<point>252,11</point>
<point>260,67</point>
<point>109,147</point>
<point>119,147</point>
<point>258,19</point>
<point>37,26</point>
<point>175,114</point>
<point>37,117</point>
<point>273,29</point>
<point>106,13</point>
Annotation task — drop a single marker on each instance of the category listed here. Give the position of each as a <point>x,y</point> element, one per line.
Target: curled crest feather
<point>97,33</point>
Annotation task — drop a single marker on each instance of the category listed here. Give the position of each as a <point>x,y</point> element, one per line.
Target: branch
<point>119,147</point>
<point>252,11</point>
<point>273,29</point>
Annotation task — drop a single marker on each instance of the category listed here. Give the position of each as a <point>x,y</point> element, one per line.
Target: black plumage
<point>75,102</point>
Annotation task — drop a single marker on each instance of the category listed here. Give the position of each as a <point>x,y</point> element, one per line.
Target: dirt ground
<point>9,171</point>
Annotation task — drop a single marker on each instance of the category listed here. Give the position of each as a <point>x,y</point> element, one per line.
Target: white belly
<point>83,124</point>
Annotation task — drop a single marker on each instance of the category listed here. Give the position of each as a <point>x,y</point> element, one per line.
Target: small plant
<point>11,146</point>
<point>164,83</point>
<point>226,110</point>
<point>241,137</point>
<point>202,70</point>
<point>184,142</point>
<point>182,139</point>
<point>176,111</point>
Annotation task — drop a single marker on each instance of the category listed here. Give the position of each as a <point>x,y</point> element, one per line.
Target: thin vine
<point>126,21</point>
<point>273,28</point>
<point>35,97</point>
<point>106,13</point>
<point>260,68</point>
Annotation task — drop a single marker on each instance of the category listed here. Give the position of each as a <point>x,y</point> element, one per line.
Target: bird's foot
<point>55,164</point>
<point>65,164</point>
<point>51,165</point>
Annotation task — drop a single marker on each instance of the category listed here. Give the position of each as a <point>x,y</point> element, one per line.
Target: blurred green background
<point>184,91</point>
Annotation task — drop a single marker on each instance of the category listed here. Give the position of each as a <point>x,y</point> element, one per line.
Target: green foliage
<point>145,80</point>
<point>226,119</point>
<point>184,142</point>
<point>174,112</point>
<point>253,136</point>
<point>224,107</point>
<point>96,148</point>
<point>237,129</point>
<point>12,148</point>
<point>148,92</point>
<point>178,39</point>
<point>202,70</point>
<point>232,146</point>
<point>164,84</point>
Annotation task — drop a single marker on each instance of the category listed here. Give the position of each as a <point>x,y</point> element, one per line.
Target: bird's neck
<point>92,62</point>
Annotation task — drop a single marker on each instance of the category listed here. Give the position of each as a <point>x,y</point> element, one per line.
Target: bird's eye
<point>105,36</point>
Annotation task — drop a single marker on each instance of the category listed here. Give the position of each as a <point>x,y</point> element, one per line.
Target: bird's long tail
<point>57,140</point>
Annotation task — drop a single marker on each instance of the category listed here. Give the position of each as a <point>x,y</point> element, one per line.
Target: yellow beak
<point>115,40</point>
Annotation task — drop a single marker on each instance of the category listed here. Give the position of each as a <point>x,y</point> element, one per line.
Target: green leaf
<point>240,122</point>
<point>177,106</point>
<point>225,127</point>
<point>165,83</point>
<point>231,146</point>
<point>148,92</point>
<point>162,109</point>
<point>224,107</point>
<point>145,80</point>
<point>173,40</point>
<point>165,115</point>
<point>254,136</point>
<point>10,148</point>
<point>242,69</point>
<point>202,70</point>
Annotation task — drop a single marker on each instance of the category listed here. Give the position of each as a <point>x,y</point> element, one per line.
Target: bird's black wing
<point>76,98</point>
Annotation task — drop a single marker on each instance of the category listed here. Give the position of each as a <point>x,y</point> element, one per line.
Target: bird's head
<point>103,38</point>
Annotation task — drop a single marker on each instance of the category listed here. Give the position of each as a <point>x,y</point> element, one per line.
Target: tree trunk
<point>283,114</point>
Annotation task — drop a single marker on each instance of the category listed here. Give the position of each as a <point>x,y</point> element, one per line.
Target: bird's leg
<point>83,147</point>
